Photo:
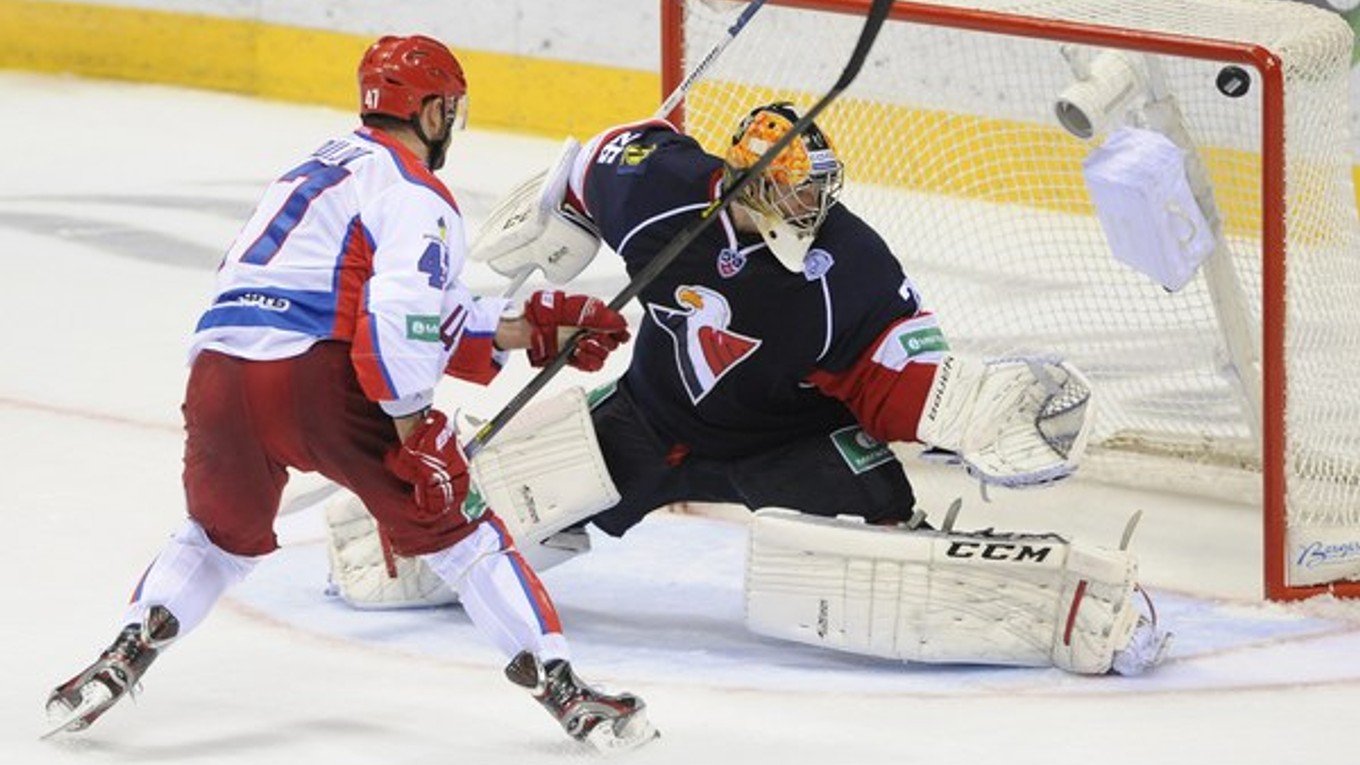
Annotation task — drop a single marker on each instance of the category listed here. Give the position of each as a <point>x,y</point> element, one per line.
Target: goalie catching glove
<point>1014,422</point>
<point>554,315</point>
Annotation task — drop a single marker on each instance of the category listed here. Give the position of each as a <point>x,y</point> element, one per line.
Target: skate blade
<point>626,733</point>
<point>95,697</point>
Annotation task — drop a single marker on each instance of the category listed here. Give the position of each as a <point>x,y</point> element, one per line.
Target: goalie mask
<point>791,198</point>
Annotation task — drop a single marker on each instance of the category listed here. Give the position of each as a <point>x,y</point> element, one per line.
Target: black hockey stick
<point>878,13</point>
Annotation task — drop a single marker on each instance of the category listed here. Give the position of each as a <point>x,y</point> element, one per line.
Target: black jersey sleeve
<point>866,286</point>
<point>641,182</point>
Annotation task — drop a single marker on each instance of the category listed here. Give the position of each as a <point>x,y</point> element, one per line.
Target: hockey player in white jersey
<point>338,309</point>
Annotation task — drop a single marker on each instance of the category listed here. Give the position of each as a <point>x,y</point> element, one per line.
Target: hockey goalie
<point>778,355</point>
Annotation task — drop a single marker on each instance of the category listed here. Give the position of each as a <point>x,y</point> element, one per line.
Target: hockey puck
<point>1233,81</point>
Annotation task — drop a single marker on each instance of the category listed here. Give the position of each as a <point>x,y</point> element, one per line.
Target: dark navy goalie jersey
<point>728,335</point>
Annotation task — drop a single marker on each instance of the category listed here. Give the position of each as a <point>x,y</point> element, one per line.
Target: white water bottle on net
<point>1208,285</point>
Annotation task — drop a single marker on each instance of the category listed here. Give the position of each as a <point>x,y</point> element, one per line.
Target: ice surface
<point>116,201</point>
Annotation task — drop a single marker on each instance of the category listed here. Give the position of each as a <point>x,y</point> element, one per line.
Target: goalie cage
<point>955,152</point>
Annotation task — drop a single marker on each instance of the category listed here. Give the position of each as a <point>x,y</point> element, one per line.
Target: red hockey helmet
<point>397,74</point>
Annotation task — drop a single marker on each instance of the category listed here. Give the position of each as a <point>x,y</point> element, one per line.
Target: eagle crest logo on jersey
<point>705,349</point>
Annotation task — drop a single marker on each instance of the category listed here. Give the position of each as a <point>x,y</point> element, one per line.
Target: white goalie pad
<point>929,596</point>
<point>543,471</point>
<point>531,228</point>
<point>365,572</point>
<point>1021,421</point>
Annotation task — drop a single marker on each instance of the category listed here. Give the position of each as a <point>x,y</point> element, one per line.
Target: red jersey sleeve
<point>886,387</point>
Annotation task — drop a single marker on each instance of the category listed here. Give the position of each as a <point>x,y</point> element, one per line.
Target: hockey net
<point>953,151</point>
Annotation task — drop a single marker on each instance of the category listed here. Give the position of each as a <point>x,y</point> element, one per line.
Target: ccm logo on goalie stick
<point>998,551</point>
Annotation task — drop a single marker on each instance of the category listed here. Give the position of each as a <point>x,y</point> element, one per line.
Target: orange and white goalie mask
<point>791,198</point>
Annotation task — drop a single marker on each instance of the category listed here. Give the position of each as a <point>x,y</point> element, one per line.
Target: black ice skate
<point>604,721</point>
<point>78,702</point>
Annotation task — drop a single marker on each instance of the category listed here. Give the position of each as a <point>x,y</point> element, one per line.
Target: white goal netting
<point>954,153</point>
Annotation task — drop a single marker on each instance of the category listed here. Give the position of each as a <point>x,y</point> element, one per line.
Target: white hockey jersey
<point>359,243</point>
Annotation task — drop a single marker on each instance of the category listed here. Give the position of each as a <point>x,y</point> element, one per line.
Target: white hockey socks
<point>501,593</point>
<point>187,577</point>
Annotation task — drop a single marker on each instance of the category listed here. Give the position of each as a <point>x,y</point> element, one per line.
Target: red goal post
<point>1236,383</point>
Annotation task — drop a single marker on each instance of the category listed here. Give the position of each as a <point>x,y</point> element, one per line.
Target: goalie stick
<point>878,13</point>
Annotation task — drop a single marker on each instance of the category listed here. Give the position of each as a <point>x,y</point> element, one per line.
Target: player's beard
<point>435,148</point>
<point>438,149</point>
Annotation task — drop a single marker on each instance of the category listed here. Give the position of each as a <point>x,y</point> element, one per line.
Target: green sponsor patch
<point>633,154</point>
<point>860,452</point>
<point>474,506</point>
<point>928,340</point>
<point>422,328</point>
<point>595,396</point>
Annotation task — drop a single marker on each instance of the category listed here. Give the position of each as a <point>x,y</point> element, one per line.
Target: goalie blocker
<point>982,598</point>
<point>532,228</point>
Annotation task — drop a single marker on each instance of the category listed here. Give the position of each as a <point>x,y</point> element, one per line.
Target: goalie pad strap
<point>1011,599</point>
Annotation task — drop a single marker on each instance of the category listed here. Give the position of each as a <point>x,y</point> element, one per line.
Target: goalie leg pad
<point>541,474</point>
<point>544,471</point>
<point>364,570</point>
<point>985,598</point>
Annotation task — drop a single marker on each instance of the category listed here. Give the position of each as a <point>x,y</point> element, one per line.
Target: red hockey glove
<point>554,315</point>
<point>432,462</point>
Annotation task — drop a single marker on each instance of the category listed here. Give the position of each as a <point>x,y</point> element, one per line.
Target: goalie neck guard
<point>791,198</point>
